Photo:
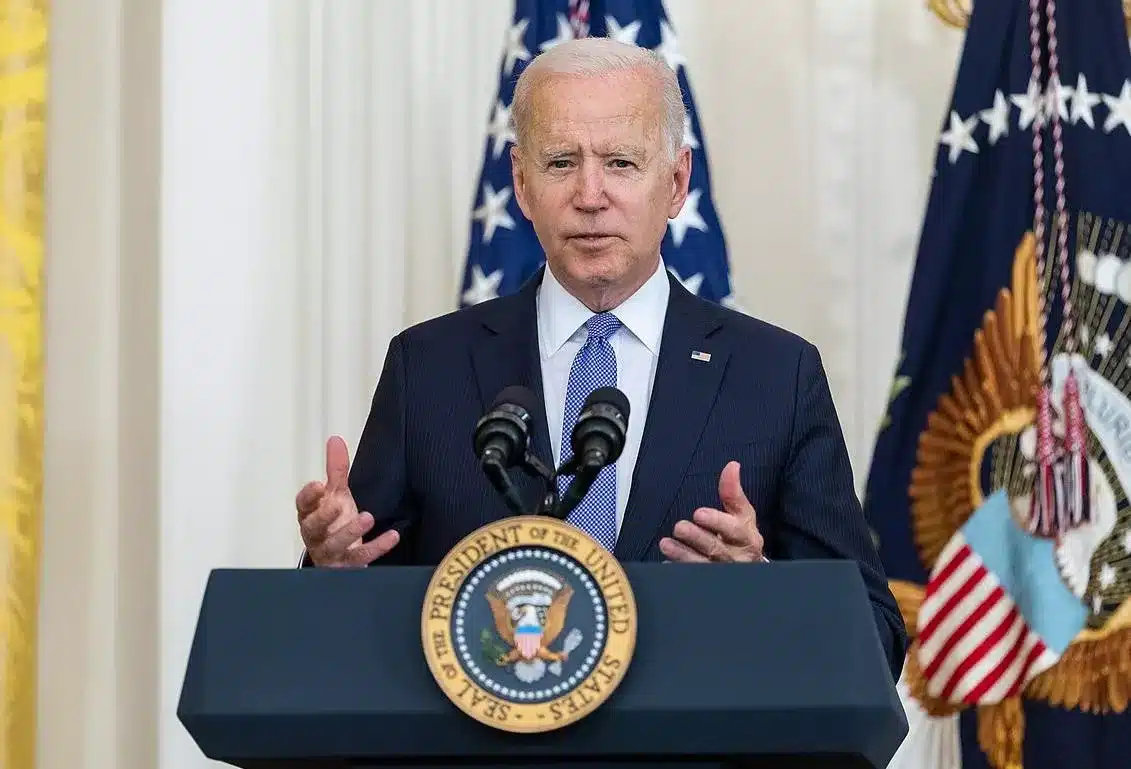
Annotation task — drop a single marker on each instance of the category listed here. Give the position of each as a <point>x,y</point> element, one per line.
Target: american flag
<point>995,613</point>
<point>503,251</point>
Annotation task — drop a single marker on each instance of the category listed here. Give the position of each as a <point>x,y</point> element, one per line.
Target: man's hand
<point>727,535</point>
<point>331,526</point>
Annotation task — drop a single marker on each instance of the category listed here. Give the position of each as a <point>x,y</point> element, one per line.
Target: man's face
<point>595,179</point>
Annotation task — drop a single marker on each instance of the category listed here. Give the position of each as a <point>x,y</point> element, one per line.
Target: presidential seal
<point>528,624</point>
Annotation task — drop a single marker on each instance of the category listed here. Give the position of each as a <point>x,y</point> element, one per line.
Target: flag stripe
<point>974,646</point>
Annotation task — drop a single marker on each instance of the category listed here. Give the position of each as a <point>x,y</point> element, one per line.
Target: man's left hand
<point>727,535</point>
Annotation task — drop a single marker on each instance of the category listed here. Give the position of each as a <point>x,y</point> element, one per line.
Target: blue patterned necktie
<point>594,366</point>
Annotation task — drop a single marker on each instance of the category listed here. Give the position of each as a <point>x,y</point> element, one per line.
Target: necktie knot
<point>602,326</point>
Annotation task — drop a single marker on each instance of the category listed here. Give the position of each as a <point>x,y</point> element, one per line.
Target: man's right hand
<point>331,526</point>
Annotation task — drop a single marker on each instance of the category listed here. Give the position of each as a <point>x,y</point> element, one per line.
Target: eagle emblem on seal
<point>529,608</point>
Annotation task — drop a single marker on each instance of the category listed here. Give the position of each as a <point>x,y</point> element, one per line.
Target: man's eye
<point>559,164</point>
<point>622,163</point>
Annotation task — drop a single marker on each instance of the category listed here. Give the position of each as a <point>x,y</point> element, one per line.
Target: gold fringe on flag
<point>23,96</point>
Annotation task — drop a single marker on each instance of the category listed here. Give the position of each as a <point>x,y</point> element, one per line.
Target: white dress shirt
<point>561,334</point>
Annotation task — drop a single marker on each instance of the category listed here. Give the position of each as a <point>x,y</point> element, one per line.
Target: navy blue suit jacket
<point>762,399</point>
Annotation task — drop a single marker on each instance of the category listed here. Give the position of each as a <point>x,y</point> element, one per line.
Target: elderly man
<point>734,451</point>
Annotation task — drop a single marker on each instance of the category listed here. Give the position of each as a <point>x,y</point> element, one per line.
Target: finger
<point>700,540</point>
<point>315,527</point>
<point>308,497</point>
<point>733,530</point>
<point>730,491</point>
<point>337,543</point>
<point>368,552</point>
<point>337,463</point>
<point>677,551</point>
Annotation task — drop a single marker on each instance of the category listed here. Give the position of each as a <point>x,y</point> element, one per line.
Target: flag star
<point>483,287</point>
<point>493,211</point>
<point>1107,576</point>
<point>622,34</point>
<point>689,139</point>
<point>997,117</point>
<point>1119,109</point>
<point>514,49</point>
<point>692,283</point>
<point>669,47</point>
<point>1032,106</point>
<point>500,129</point>
<point>688,217</point>
<point>1083,102</point>
<point>960,136</point>
<point>1097,603</point>
<point>1127,542</point>
<point>1057,96</point>
<point>1103,345</point>
<point>565,33</point>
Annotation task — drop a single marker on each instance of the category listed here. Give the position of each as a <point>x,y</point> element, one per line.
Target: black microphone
<point>597,441</point>
<point>501,439</point>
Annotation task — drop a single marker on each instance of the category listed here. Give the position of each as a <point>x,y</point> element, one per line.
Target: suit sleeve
<point>821,517</point>
<point>378,476</point>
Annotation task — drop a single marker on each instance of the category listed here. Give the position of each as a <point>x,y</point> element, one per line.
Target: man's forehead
<point>629,128</point>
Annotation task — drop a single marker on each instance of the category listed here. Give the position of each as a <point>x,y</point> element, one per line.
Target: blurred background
<point>245,200</point>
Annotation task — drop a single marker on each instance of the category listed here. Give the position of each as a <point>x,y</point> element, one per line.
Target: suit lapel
<point>507,354</point>
<point>683,394</point>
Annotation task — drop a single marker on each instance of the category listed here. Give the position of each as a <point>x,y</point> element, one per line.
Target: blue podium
<point>768,665</point>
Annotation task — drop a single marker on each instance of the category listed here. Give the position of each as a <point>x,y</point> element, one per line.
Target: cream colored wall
<point>306,168</point>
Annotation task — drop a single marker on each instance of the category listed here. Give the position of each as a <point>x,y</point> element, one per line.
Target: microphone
<point>597,440</point>
<point>501,439</point>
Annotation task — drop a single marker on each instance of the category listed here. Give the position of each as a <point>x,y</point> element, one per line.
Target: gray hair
<point>601,56</point>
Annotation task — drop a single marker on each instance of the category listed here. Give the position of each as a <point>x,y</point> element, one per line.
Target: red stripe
<point>993,676</point>
<point>1023,677</point>
<point>980,651</point>
<point>991,600</point>
<point>937,580</point>
<point>967,587</point>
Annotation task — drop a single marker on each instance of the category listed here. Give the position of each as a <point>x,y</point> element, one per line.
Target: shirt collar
<point>561,314</point>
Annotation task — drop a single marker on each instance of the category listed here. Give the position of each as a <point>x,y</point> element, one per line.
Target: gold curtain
<point>23,95</point>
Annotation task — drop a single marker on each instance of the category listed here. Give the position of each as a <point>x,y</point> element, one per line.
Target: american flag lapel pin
<point>704,357</point>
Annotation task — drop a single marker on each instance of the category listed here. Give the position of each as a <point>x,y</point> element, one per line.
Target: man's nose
<point>590,192</point>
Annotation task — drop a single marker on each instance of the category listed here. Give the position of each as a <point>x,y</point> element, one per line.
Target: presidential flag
<point>503,250</point>
<point>998,489</point>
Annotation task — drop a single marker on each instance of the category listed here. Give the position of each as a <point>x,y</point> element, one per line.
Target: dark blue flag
<point>1008,537</point>
<point>503,250</point>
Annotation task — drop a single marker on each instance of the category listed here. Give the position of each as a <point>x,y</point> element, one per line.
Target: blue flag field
<point>1003,518</point>
<point>503,251</point>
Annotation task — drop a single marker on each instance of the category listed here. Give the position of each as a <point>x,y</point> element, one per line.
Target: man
<point>733,454</point>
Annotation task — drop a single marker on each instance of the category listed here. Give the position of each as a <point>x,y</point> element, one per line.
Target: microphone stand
<point>536,468</point>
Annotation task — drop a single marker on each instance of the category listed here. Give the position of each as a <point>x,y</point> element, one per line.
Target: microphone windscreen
<point>610,395</point>
<point>516,395</point>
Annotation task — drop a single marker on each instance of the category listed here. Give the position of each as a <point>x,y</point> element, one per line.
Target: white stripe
<point>970,640</point>
<point>934,602</point>
<point>997,692</point>
<point>991,659</point>
<point>1047,659</point>
<point>950,623</point>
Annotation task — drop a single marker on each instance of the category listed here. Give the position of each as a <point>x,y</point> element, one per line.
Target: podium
<point>766,665</point>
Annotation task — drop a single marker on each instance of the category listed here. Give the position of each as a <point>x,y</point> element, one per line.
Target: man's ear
<point>518,175</point>
<point>681,181</point>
